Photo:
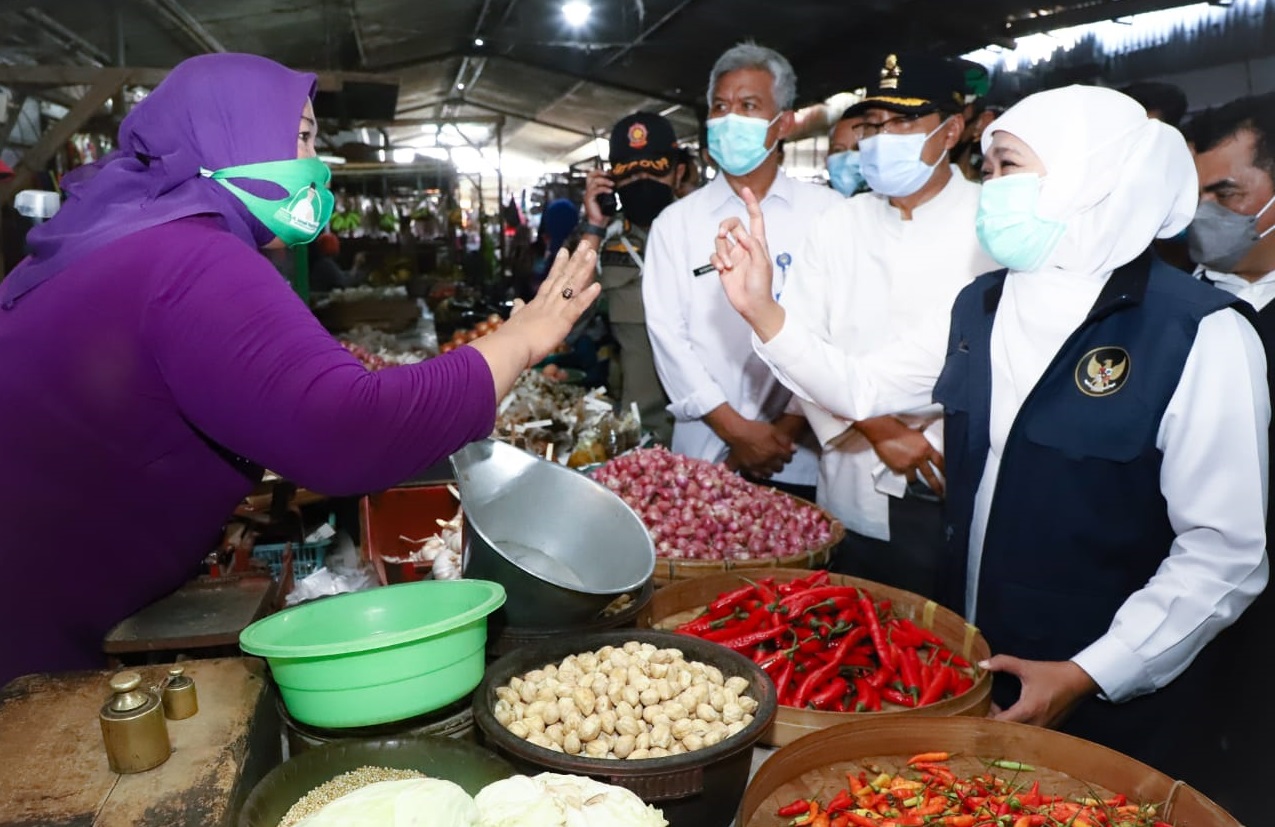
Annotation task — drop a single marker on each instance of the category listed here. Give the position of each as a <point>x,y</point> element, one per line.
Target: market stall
<point>563,623</point>
<point>501,671</point>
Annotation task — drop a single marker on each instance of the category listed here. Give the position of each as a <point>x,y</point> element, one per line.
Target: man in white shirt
<point>875,268</point>
<point>727,404</point>
<point>1232,240</point>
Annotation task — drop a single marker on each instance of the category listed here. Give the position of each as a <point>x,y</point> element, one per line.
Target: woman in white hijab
<point>1106,423</point>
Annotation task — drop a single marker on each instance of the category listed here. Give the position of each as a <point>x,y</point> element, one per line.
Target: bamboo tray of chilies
<point>816,766</point>
<point>679,601</point>
<point>672,569</point>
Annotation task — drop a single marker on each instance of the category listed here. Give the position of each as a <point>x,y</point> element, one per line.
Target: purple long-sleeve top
<point>129,384</point>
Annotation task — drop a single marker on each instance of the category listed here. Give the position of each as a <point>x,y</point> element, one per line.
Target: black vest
<point>1078,522</point>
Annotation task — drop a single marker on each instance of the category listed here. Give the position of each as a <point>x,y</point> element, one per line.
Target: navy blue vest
<point>1077,522</point>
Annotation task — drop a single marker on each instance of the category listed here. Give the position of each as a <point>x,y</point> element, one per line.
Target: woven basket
<point>670,569</point>
<point>792,723</point>
<point>817,763</point>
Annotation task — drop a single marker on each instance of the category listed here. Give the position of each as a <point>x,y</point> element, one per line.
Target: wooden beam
<point>135,76</point>
<point>175,13</point>
<point>66,38</point>
<point>110,81</point>
<point>75,75</point>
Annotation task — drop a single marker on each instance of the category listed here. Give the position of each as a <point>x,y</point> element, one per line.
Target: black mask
<point>644,199</point>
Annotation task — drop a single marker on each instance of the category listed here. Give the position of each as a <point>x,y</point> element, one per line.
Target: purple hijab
<point>211,111</point>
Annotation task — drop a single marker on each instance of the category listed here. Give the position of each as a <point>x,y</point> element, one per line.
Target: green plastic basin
<point>380,655</point>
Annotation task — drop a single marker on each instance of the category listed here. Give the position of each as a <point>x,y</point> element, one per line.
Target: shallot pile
<point>699,510</point>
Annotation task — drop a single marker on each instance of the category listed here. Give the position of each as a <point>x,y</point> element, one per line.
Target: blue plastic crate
<point>307,558</point>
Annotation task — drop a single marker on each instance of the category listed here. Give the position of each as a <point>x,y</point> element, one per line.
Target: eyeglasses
<point>890,126</point>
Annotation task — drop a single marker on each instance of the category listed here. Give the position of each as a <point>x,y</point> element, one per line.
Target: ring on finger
<point>567,292</point>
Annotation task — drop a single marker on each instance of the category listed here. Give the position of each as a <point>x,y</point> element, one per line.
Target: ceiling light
<point>576,12</point>
<point>479,42</point>
<point>461,86</point>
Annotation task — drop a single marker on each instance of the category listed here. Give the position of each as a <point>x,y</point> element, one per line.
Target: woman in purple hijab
<point>154,361</point>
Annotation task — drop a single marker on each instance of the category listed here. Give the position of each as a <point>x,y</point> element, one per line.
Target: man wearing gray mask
<point>1232,242</point>
<point>1233,236</point>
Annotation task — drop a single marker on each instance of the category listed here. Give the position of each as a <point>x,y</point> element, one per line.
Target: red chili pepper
<point>810,645</point>
<point>894,696</point>
<point>823,673</point>
<point>952,659</point>
<point>934,691</point>
<point>881,676</point>
<point>785,680</point>
<point>765,590</point>
<point>899,633</point>
<point>824,592</point>
<point>841,801</point>
<point>827,697</point>
<point>847,642</point>
<point>869,612</point>
<point>796,808</point>
<point>703,624</point>
<point>862,821</point>
<point>925,634</point>
<point>731,599</point>
<point>861,657</point>
<point>909,667</point>
<point>752,638</point>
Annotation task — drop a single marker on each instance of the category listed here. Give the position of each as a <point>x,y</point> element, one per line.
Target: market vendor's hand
<point>759,449</point>
<point>742,260</point>
<point>544,322</point>
<point>904,450</point>
<point>1050,689</point>
<point>596,183</point>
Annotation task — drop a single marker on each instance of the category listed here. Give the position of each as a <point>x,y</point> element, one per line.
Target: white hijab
<point>1119,180</point>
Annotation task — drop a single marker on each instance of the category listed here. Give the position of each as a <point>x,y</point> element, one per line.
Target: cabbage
<point>415,802</point>
<point>551,800</point>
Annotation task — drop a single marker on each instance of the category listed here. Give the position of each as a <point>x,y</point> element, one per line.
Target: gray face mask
<point>1219,238</point>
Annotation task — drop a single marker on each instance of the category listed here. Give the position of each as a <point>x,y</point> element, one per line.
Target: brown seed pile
<point>346,782</point>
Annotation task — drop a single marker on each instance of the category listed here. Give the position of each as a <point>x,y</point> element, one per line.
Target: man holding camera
<point>644,172</point>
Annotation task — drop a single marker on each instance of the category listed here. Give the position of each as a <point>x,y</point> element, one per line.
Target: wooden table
<point>53,769</point>
<point>206,614</point>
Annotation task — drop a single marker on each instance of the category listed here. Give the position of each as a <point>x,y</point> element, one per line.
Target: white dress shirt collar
<point>1257,293</point>
<point>721,191</point>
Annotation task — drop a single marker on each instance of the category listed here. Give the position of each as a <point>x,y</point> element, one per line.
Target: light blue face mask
<point>1007,224</point>
<point>844,172</point>
<point>892,164</point>
<point>738,144</point>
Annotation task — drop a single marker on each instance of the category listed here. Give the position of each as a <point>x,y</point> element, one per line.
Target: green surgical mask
<point>298,217</point>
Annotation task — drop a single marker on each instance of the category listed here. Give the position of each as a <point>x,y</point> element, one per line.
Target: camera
<point>608,202</point>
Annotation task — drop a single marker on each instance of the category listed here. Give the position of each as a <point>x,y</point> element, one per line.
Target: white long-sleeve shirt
<point>1257,293</point>
<point>1213,437</point>
<point>702,347</point>
<point>866,277</point>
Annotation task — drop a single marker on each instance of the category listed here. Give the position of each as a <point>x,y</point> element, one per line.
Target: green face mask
<point>301,215</point>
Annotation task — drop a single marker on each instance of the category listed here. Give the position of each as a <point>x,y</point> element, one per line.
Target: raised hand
<point>742,260</point>
<point>565,294</point>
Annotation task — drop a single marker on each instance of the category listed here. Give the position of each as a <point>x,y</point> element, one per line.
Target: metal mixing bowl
<point>562,545</point>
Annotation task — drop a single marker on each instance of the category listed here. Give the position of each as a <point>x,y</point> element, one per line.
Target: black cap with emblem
<point>643,142</point>
<point>915,84</point>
